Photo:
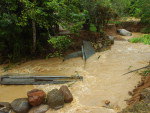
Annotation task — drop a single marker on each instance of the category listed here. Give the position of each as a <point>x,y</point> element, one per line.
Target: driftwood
<point>137,69</point>
<point>36,80</point>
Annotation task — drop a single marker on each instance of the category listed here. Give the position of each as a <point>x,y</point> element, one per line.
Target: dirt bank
<point>103,79</point>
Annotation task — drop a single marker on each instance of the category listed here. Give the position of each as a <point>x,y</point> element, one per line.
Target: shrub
<point>92,28</point>
<point>144,39</point>
<point>145,30</point>
<point>146,72</point>
<point>60,43</point>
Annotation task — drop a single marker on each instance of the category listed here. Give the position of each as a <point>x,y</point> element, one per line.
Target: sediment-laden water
<point>102,81</point>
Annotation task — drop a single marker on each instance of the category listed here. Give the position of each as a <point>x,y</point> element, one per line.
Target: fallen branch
<point>137,69</point>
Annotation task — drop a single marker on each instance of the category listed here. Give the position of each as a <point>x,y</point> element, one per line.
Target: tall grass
<point>143,39</point>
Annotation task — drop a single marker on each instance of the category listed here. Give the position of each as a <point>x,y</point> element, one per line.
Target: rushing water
<point>102,81</point>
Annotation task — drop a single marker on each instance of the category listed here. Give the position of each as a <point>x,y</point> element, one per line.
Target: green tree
<point>141,8</point>
<point>48,13</point>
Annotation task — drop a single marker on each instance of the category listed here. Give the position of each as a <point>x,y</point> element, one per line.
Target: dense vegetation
<point>30,28</point>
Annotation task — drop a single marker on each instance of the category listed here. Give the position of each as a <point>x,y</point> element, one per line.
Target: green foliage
<point>144,39</point>
<point>145,73</point>
<point>114,22</point>
<point>121,7</point>
<point>60,43</point>
<point>99,13</point>
<point>145,30</point>
<point>16,17</point>
<point>55,54</point>
<point>92,28</point>
<point>141,8</point>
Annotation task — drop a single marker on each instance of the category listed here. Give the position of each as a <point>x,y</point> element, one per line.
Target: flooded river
<point>103,79</point>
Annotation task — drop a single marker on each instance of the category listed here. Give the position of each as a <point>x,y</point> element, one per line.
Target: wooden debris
<point>137,69</point>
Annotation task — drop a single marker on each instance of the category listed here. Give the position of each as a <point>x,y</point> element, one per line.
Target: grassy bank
<point>145,39</point>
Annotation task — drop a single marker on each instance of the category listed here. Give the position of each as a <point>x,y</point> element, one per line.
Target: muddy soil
<point>103,79</point>
<point>140,100</point>
<point>136,93</point>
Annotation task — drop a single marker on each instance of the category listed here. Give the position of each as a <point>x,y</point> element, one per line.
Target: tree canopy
<point>26,25</point>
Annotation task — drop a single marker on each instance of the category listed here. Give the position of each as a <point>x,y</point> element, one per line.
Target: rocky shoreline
<point>38,101</point>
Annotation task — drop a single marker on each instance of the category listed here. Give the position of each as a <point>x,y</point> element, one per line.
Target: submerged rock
<point>20,105</point>
<point>39,109</point>
<point>55,99</point>
<point>66,93</point>
<point>36,97</point>
<point>124,32</point>
<point>5,107</point>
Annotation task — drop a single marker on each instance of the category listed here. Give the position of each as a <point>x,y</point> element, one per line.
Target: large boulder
<point>36,97</point>
<point>5,107</point>
<point>124,32</point>
<point>66,93</point>
<point>39,109</point>
<point>55,99</point>
<point>20,105</point>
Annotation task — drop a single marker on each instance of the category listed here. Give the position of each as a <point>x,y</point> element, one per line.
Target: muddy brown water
<point>103,78</point>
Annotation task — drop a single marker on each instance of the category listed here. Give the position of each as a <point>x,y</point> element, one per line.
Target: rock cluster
<point>38,102</point>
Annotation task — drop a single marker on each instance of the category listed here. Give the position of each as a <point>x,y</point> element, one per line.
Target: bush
<point>144,39</point>
<point>141,8</point>
<point>60,43</point>
<point>145,30</point>
<point>92,28</point>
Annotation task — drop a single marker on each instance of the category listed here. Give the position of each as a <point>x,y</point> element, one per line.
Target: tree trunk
<point>34,36</point>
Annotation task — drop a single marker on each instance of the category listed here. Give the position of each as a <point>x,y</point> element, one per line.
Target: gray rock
<point>20,105</point>
<point>3,112</point>
<point>111,38</point>
<point>67,94</point>
<point>124,32</point>
<point>39,109</point>
<point>73,55</point>
<point>5,107</point>
<point>55,99</point>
